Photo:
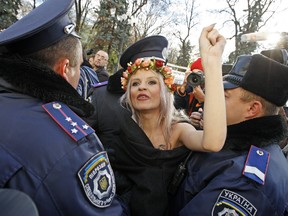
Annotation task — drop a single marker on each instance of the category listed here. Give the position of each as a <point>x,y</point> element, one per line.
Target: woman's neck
<point>149,120</point>
<point>152,129</point>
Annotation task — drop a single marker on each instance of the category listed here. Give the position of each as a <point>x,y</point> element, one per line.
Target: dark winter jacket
<point>226,183</point>
<point>102,74</point>
<point>40,158</point>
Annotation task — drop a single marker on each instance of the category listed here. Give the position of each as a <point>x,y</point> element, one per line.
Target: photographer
<point>191,98</point>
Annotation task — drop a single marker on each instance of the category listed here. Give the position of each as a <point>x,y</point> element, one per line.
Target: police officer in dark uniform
<point>46,150</point>
<point>143,174</point>
<point>249,176</point>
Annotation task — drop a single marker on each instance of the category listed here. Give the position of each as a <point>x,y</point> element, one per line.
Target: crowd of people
<point>79,141</point>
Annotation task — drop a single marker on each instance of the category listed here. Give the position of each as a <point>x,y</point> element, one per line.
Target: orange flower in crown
<point>153,64</point>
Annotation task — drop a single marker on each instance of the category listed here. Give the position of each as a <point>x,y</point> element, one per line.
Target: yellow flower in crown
<point>153,64</point>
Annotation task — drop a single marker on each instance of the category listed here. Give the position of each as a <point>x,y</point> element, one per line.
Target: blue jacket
<point>88,78</point>
<point>62,173</point>
<point>216,184</point>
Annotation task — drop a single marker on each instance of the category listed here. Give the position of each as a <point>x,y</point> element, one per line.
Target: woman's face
<point>145,90</point>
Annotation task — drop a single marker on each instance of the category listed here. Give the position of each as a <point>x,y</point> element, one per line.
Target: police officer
<point>46,150</point>
<point>249,176</point>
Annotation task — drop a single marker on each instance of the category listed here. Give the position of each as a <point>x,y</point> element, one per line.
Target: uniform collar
<point>260,132</point>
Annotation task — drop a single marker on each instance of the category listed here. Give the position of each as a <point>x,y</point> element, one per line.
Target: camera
<point>196,78</point>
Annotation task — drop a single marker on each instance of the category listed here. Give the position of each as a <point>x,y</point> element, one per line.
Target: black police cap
<point>42,27</point>
<point>152,46</point>
<point>260,75</point>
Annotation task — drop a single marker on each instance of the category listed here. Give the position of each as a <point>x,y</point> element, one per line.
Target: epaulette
<point>97,85</point>
<point>69,121</point>
<point>256,164</point>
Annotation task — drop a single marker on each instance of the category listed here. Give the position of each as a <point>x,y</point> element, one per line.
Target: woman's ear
<point>62,68</point>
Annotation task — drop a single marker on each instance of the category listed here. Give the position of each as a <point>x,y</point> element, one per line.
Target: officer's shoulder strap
<point>69,121</point>
<point>256,164</point>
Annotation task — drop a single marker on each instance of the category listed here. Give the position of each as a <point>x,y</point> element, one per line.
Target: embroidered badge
<point>231,203</point>
<point>256,164</point>
<point>98,181</point>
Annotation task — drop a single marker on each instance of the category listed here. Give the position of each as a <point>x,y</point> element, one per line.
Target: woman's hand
<point>211,43</point>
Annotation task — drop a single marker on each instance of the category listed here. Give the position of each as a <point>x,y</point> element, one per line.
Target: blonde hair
<point>168,114</point>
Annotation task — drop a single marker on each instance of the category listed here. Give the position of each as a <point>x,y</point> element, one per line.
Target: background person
<point>91,60</point>
<point>46,150</point>
<point>88,78</point>
<point>189,98</point>
<point>100,63</point>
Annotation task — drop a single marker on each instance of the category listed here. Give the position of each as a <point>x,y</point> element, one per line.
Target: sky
<point>277,24</point>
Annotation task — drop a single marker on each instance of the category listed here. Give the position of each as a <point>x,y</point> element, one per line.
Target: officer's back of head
<point>50,152</point>
<point>46,35</point>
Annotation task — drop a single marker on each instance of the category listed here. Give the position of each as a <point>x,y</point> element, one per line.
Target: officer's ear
<point>254,109</point>
<point>62,68</point>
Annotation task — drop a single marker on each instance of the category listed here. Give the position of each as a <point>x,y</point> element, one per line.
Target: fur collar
<point>37,80</point>
<point>260,132</point>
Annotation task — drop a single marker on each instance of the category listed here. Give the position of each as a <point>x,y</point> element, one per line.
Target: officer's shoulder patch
<point>232,203</point>
<point>98,181</point>
<point>256,164</point>
<point>97,85</point>
<point>69,121</point>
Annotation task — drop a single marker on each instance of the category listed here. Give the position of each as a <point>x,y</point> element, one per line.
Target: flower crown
<point>153,64</point>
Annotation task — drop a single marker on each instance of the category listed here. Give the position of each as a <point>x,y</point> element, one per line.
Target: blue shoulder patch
<point>231,203</point>
<point>69,121</point>
<point>256,164</point>
<point>98,180</point>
